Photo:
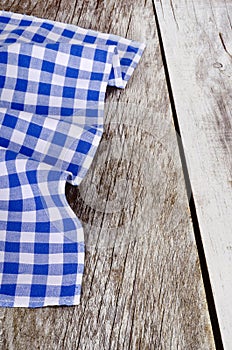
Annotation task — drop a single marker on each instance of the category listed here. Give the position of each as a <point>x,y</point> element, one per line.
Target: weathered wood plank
<point>197,39</point>
<point>142,286</point>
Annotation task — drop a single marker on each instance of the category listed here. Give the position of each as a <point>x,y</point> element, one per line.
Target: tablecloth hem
<point>36,304</point>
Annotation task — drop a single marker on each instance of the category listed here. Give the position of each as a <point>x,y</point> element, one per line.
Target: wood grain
<point>197,38</point>
<point>142,285</point>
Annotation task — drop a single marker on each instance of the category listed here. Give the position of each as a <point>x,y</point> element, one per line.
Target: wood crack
<point>129,22</point>
<point>12,5</point>
<point>161,327</point>
<point>116,310</point>
<point>106,283</point>
<point>58,9</point>
<point>81,10</point>
<point>173,12</point>
<point>228,16</point>
<point>224,45</point>
<point>134,306</point>
<point>73,14</point>
<point>194,11</point>
<point>161,4</point>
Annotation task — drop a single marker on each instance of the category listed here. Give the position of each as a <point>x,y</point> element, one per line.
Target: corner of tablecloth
<point>135,60</point>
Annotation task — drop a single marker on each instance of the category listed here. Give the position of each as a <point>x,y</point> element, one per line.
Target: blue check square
<point>44,89</point>
<point>21,85</point>
<point>48,66</point>
<point>24,61</point>
<point>69,92</point>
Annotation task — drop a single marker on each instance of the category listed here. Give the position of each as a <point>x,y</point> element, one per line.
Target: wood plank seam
<point>211,27</point>
<point>201,254</point>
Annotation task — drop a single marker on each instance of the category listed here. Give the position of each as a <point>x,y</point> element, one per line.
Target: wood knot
<point>218,65</point>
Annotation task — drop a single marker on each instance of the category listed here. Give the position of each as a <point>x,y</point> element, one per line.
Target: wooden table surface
<point>197,39</point>
<point>142,286</point>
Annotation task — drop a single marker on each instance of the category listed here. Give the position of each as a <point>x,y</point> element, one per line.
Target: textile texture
<point>53,79</point>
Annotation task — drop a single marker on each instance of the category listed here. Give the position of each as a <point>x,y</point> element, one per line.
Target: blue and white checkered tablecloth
<point>53,79</point>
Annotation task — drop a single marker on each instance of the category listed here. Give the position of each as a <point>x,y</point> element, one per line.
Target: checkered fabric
<point>53,79</point>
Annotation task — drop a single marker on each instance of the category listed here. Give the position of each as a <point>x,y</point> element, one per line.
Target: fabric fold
<point>42,254</point>
<point>64,145</point>
<point>30,29</point>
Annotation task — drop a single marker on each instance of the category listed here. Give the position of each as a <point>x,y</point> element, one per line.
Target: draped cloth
<point>53,79</point>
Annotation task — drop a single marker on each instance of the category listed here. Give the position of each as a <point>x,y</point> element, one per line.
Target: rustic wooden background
<point>197,39</point>
<point>142,286</point>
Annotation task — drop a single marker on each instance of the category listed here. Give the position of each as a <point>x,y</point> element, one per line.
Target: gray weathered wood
<point>197,38</point>
<point>142,287</point>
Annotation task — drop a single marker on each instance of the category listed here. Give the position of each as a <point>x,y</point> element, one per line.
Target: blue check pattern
<point>53,79</point>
